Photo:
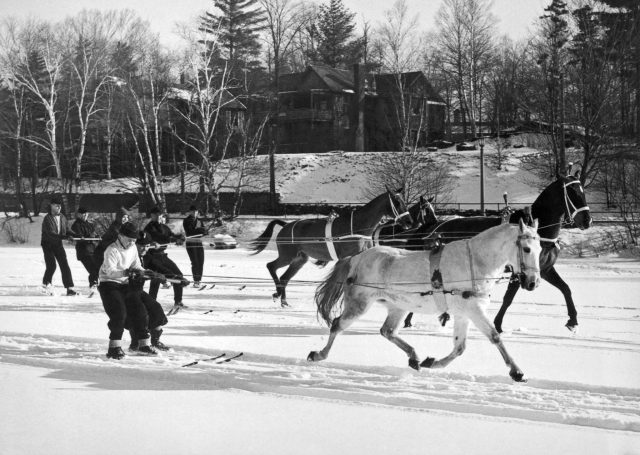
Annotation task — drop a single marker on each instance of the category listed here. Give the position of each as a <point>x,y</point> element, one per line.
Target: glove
<point>180,241</point>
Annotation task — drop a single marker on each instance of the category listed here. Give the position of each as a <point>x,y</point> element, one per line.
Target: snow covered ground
<point>60,395</point>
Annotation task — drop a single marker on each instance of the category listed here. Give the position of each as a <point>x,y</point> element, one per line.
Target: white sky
<point>516,16</point>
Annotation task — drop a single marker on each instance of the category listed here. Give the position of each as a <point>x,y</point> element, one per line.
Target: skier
<point>54,229</point>
<point>111,235</point>
<point>120,298</point>
<point>85,249</point>
<point>156,258</point>
<point>195,250</point>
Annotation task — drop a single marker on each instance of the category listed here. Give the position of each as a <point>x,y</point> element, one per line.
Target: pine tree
<point>335,28</point>
<point>237,28</point>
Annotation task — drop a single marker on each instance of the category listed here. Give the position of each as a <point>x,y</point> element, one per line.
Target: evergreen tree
<point>236,29</point>
<point>334,30</point>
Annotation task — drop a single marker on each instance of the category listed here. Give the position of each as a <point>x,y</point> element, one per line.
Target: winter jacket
<point>160,233</point>
<point>82,228</point>
<point>118,262</point>
<point>190,225</point>
<point>50,234</point>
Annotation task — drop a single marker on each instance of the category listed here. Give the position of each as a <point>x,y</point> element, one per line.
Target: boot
<point>134,342</point>
<point>71,292</point>
<point>145,349</point>
<point>155,341</point>
<point>115,353</point>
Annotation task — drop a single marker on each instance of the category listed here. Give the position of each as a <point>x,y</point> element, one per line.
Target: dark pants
<point>154,316</point>
<point>123,304</point>
<point>89,264</point>
<point>160,262</point>
<point>53,253</point>
<point>195,251</point>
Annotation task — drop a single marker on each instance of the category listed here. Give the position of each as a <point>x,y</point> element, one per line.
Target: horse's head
<point>423,213</point>
<point>397,209</point>
<point>528,263</point>
<point>575,202</point>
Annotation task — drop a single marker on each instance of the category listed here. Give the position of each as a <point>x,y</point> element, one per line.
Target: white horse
<point>458,278</point>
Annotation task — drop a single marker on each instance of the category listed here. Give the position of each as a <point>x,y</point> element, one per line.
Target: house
<point>322,108</point>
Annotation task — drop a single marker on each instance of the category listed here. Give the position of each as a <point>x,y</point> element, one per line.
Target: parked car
<point>223,242</point>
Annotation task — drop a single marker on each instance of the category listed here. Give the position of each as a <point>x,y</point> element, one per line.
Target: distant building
<point>321,108</point>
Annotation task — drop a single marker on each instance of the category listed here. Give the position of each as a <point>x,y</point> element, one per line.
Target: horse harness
<point>329,238</point>
<point>437,283</point>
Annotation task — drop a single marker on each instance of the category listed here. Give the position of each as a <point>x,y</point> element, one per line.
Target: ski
<point>229,359</point>
<point>202,287</point>
<point>195,362</point>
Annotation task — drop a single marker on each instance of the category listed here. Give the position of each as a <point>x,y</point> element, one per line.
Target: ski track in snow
<point>83,360</point>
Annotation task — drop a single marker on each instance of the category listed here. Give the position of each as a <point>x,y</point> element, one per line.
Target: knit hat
<point>156,209</point>
<point>128,229</point>
<point>82,210</point>
<point>56,200</point>
<point>193,208</point>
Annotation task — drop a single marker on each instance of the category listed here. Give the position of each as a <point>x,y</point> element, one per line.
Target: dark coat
<point>50,235</point>
<point>160,233</point>
<point>190,225</point>
<point>85,229</point>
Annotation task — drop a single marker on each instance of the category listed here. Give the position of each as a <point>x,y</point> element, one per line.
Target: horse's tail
<point>260,243</point>
<point>331,289</point>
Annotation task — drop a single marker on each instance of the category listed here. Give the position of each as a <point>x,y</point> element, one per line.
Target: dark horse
<point>328,239</point>
<point>564,199</point>
<point>393,234</point>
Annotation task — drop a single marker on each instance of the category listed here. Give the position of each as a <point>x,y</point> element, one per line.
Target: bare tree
<point>32,57</point>
<point>149,92</point>
<point>465,31</point>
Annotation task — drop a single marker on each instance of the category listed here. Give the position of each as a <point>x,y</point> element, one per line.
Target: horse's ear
<point>430,200</point>
<point>576,174</point>
<point>521,222</point>
<point>422,200</point>
<point>535,224</point>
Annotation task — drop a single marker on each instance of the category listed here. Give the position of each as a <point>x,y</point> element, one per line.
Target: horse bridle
<point>396,214</point>
<point>570,209</point>
<point>523,267</point>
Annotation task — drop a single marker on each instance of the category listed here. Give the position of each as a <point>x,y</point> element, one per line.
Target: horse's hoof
<point>284,304</point>
<point>408,325</point>
<point>415,364</point>
<point>517,376</point>
<point>498,326</point>
<point>313,356</point>
<point>275,295</point>
<point>444,318</point>
<point>428,362</point>
<point>572,325</point>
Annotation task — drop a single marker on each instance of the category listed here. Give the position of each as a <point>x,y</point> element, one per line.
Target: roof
<point>408,79</point>
<point>337,80</point>
<point>315,77</point>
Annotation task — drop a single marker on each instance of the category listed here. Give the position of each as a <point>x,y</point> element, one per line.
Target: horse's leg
<point>300,260</point>
<point>460,329</point>
<point>407,321</point>
<point>273,267</point>
<point>353,309</point>
<point>551,275</point>
<point>507,300</point>
<point>476,313</point>
<point>389,330</point>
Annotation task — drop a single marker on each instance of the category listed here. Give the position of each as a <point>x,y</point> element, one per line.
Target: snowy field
<point>60,395</point>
